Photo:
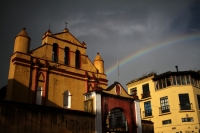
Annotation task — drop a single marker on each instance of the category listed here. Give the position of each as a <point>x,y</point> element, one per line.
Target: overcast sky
<point>161,34</point>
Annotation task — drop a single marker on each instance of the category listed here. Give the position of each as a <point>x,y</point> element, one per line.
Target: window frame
<point>184,101</point>
<point>66,56</point>
<point>187,119</point>
<point>55,52</point>
<point>164,104</point>
<point>132,90</point>
<point>198,100</point>
<point>165,122</point>
<point>39,93</point>
<point>147,109</point>
<point>77,59</point>
<point>67,99</point>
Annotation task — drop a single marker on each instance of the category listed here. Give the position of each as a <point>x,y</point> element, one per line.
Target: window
<point>146,92</point>
<point>164,85</point>
<point>67,99</point>
<point>183,80</point>
<point>188,79</point>
<point>192,81</point>
<point>198,99</point>
<point>184,102</point>
<point>147,108</point>
<point>174,80</point>
<point>133,91</point>
<point>188,119</point>
<point>164,122</point>
<point>164,104</point>
<point>78,59</point>
<point>168,81</point>
<point>178,80</point>
<point>55,53</point>
<point>39,95</point>
<point>195,82</point>
<point>66,58</point>
<point>160,84</point>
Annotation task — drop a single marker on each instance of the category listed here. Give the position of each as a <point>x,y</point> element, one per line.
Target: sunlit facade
<point>171,100</point>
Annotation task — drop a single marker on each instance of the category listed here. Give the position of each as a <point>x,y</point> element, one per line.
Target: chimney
<point>176,68</point>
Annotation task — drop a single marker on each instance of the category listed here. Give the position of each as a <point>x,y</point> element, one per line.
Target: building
<point>56,88</point>
<point>115,110</point>
<point>55,74</point>
<point>171,100</point>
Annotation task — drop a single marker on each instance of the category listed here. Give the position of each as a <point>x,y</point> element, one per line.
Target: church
<point>54,74</point>
<point>57,88</point>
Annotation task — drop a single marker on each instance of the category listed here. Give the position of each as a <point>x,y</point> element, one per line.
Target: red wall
<point>110,102</point>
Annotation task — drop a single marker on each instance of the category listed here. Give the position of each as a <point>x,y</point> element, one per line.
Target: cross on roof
<point>65,24</point>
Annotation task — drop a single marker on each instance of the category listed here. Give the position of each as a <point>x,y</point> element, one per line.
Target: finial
<point>97,52</point>
<point>24,28</point>
<point>66,24</point>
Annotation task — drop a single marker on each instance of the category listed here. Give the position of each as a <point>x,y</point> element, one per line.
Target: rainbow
<point>172,41</point>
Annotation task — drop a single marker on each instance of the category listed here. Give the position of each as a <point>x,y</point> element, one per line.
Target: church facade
<point>55,74</point>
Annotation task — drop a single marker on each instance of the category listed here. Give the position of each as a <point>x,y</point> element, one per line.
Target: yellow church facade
<point>55,74</point>
<point>171,100</point>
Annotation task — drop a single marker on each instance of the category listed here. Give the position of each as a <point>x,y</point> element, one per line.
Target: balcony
<point>164,109</point>
<point>145,95</point>
<point>186,106</point>
<point>147,113</point>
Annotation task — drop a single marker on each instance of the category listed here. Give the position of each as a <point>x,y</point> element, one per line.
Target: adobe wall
<point>28,118</point>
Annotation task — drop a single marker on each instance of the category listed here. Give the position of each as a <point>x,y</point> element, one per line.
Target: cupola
<point>99,63</point>
<point>22,42</point>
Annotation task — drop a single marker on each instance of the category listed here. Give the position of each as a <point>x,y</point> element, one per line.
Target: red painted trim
<point>21,60</point>
<point>34,86</point>
<point>127,105</point>
<point>103,80</point>
<point>45,88</point>
<point>68,72</point>
<point>66,76</point>
<point>21,64</point>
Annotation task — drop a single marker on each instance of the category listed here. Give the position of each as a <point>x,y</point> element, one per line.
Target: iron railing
<point>147,113</point>
<point>186,106</point>
<point>145,94</point>
<point>164,109</point>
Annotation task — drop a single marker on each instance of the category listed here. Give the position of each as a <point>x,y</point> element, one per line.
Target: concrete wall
<point>28,118</point>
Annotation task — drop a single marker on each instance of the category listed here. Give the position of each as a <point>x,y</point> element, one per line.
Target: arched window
<point>55,52</point>
<point>66,58</point>
<point>39,95</point>
<point>78,59</point>
<point>67,99</point>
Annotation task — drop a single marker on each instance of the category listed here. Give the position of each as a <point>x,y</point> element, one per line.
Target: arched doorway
<point>116,121</point>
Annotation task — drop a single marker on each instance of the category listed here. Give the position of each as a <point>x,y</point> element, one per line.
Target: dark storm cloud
<point>114,28</point>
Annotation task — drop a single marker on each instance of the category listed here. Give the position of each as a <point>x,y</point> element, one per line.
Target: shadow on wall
<point>3,92</point>
<point>22,115</point>
<point>23,94</point>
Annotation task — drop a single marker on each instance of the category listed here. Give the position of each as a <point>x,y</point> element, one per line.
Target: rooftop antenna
<point>152,65</point>
<point>176,68</point>
<point>118,69</point>
<point>66,24</point>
